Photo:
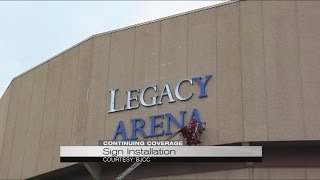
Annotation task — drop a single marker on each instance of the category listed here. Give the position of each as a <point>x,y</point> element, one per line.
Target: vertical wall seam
<point>159,61</point>
<point>4,130</point>
<point>14,129</point>
<point>187,58</point>
<point>88,91</point>
<point>216,100</point>
<point>5,120</point>
<point>241,71</point>
<point>57,112</point>
<point>300,72</point>
<point>14,132</point>
<point>109,64</point>
<point>305,172</point>
<point>74,100</point>
<point>133,58</point>
<point>44,100</point>
<point>214,67</point>
<point>227,172</point>
<point>133,64</point>
<point>250,173</point>
<point>44,103</point>
<point>265,72</point>
<point>24,149</point>
<point>75,93</point>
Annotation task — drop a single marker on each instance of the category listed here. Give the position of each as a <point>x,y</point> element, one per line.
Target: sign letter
<point>202,85</point>
<point>113,101</point>
<point>178,87</point>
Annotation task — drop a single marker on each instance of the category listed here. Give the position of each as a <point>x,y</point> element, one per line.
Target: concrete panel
<point>253,76</point>
<point>313,173</point>
<point>309,42</point>
<point>35,120</point>
<point>66,104</point>
<point>239,174</point>
<point>284,95</point>
<point>3,114</point>
<point>9,129</point>
<point>82,91</point>
<point>229,100</point>
<point>173,64</point>
<point>21,127</point>
<point>97,96</point>
<point>121,77</point>
<point>50,116</point>
<point>213,175</point>
<point>146,68</point>
<point>201,62</point>
<point>260,173</point>
<point>287,173</point>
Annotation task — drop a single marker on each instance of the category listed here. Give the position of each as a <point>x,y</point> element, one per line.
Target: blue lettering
<point>138,124</point>
<point>170,118</point>
<point>202,85</point>
<point>136,128</point>
<point>154,125</point>
<point>120,130</point>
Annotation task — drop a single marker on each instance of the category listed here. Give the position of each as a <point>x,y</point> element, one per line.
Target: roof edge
<point>128,27</point>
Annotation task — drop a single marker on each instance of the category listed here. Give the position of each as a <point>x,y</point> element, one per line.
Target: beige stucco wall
<point>264,58</point>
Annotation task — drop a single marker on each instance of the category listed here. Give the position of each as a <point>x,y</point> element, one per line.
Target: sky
<point>33,32</point>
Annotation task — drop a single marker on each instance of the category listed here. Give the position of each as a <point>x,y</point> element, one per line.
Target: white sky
<point>32,32</point>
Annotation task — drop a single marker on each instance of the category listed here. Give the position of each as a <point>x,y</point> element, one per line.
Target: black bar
<point>160,159</point>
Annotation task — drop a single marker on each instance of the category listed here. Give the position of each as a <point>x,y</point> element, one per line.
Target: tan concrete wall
<point>283,79</point>
<point>173,61</point>
<point>81,94</point>
<point>50,116</point>
<point>96,96</point>
<point>264,60</point>
<point>9,128</point>
<point>121,66</point>
<point>202,60</point>
<point>21,126</point>
<point>4,104</point>
<point>146,65</point>
<point>309,42</point>
<point>253,72</point>
<point>65,112</point>
<point>229,93</point>
<point>253,173</point>
<point>35,121</point>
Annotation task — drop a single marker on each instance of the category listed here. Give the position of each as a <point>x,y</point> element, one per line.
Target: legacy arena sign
<point>135,97</point>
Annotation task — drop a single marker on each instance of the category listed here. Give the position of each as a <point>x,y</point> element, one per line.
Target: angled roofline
<point>128,27</point>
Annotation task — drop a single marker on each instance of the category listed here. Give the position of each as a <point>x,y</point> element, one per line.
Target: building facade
<point>264,60</point>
